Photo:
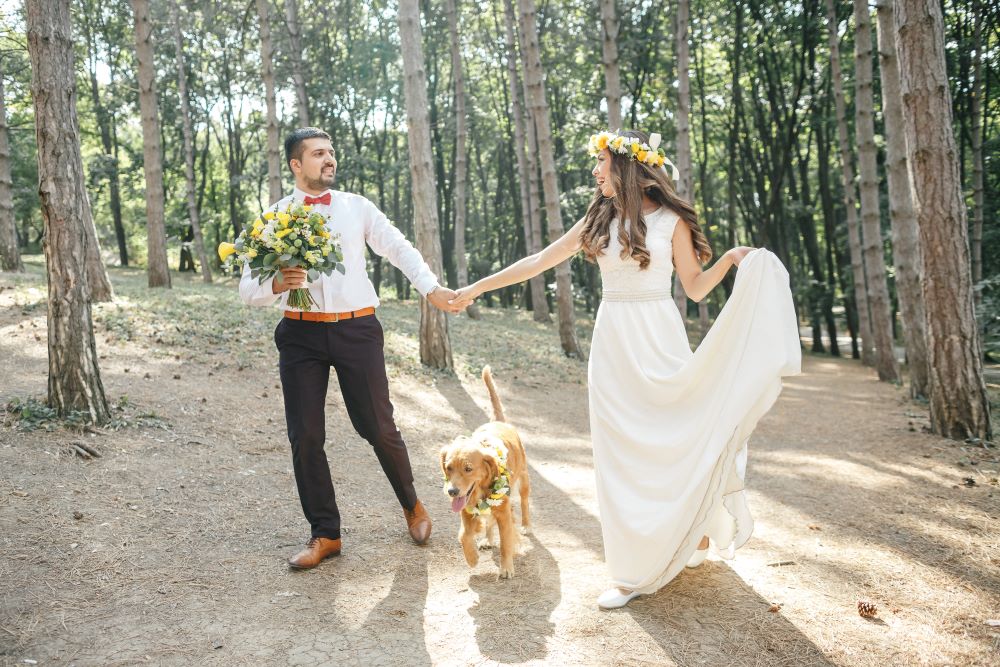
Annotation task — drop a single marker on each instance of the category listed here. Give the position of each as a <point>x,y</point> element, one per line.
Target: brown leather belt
<point>310,316</point>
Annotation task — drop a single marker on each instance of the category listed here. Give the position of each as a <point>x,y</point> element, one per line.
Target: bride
<point>669,427</point>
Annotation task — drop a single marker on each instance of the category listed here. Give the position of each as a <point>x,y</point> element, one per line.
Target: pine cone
<point>867,609</point>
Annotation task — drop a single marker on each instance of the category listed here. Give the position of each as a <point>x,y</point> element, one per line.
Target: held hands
<point>291,278</point>
<point>464,297</point>
<point>443,298</point>
<point>738,253</point>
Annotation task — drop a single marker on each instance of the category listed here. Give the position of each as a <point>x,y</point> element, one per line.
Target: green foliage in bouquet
<point>295,237</point>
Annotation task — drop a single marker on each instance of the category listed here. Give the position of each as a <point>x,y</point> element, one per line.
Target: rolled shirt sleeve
<point>385,239</point>
<point>255,293</point>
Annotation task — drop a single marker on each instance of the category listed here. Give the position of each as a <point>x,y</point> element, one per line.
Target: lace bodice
<point>623,280</point>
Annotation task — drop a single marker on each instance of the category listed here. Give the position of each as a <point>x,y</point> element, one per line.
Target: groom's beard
<point>322,182</point>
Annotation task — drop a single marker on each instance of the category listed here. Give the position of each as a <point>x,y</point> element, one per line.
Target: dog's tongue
<point>457,504</point>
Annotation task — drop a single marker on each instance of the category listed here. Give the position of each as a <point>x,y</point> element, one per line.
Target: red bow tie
<point>322,199</point>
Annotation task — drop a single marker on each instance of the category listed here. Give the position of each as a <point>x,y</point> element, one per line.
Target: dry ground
<point>170,548</point>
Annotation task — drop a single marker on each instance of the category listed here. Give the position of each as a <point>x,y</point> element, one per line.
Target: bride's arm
<point>526,268</point>
<point>698,283</point>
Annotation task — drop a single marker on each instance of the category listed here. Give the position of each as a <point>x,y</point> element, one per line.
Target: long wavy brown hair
<point>630,180</point>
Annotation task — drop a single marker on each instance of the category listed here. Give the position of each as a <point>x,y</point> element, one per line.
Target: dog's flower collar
<point>499,490</point>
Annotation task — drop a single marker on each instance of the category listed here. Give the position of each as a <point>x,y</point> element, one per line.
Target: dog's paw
<point>483,543</point>
<point>525,530</point>
<point>471,557</point>
<point>506,572</point>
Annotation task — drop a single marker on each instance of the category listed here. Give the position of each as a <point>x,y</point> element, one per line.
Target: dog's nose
<point>452,491</point>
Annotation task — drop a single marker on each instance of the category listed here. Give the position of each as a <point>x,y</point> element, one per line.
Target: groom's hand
<point>292,278</point>
<point>439,298</point>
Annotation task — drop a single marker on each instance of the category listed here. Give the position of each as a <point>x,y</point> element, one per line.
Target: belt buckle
<point>336,317</point>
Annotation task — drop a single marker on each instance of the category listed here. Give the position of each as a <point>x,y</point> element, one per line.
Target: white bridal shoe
<point>698,558</point>
<point>613,598</point>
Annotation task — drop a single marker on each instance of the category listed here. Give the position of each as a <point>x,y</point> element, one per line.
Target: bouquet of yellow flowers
<point>278,240</point>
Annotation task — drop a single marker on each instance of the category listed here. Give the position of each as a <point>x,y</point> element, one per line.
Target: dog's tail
<point>498,414</point>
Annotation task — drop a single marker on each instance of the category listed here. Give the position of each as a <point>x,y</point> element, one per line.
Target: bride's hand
<point>738,253</point>
<point>464,297</point>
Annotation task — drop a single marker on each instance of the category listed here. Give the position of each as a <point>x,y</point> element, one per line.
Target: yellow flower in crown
<point>616,144</point>
<point>641,154</point>
<point>635,148</point>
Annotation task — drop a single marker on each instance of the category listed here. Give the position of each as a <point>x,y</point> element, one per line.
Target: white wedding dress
<point>669,426</point>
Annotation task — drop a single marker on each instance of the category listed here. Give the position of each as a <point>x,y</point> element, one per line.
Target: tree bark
<point>10,254</point>
<point>959,405</point>
<point>74,376</point>
<point>539,111</point>
<point>295,41</point>
<point>267,73</point>
<point>191,188</point>
<point>435,346</point>
<point>531,225</point>
<point>609,54</point>
<point>902,217</point>
<point>152,160</point>
<point>461,158</point>
<point>850,200</point>
<point>873,250</point>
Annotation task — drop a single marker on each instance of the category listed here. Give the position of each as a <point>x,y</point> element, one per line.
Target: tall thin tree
<point>609,57</point>
<point>959,405</point>
<point>191,187</point>
<point>74,376</point>
<point>295,55</point>
<point>538,108</point>
<point>850,196</point>
<point>267,73</point>
<point>871,227</point>
<point>902,217</point>
<point>976,111</point>
<point>10,254</point>
<point>152,158</point>
<point>461,159</point>
<point>531,226</point>
<point>685,187</point>
<point>435,346</point>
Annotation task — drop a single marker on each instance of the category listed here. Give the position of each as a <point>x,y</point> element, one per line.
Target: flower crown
<point>649,154</point>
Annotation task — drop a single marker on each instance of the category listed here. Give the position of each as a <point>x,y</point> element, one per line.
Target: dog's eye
<point>468,468</point>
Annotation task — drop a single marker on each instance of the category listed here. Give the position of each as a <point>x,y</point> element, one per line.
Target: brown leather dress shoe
<point>418,522</point>
<point>314,553</point>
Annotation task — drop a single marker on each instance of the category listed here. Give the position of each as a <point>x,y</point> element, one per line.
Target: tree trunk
<point>156,244</point>
<point>847,176</point>
<point>526,173</point>
<point>976,110</point>
<point>902,217</point>
<point>295,41</point>
<point>74,376</point>
<point>105,122</point>
<point>609,53</point>
<point>435,346</point>
<point>873,251</point>
<point>267,73</point>
<point>10,254</point>
<point>191,187</point>
<point>539,111</point>
<point>959,405</point>
<point>684,186</point>
<point>461,159</point>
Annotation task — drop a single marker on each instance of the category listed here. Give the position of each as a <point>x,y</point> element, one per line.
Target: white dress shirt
<point>358,221</point>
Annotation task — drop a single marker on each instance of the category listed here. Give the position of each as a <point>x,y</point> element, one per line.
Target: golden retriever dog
<point>481,473</point>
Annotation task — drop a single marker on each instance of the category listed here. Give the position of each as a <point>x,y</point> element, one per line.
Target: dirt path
<point>170,548</point>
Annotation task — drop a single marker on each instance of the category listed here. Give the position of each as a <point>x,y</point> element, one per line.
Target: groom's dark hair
<point>293,142</point>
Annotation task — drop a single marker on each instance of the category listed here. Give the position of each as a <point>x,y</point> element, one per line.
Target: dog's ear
<point>444,458</point>
<point>491,464</point>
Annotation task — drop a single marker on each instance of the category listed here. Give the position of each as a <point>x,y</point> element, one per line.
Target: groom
<point>340,332</point>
